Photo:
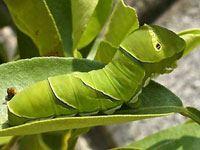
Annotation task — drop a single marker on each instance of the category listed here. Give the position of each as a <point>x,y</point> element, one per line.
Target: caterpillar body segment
<point>86,100</point>
<point>144,54</point>
<point>111,80</point>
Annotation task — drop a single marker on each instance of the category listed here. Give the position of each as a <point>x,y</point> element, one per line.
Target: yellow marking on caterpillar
<point>155,40</point>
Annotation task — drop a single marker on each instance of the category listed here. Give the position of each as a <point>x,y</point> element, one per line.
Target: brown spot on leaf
<point>37,32</point>
<point>54,53</point>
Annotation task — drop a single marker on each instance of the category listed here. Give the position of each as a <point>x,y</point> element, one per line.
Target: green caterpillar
<point>146,53</point>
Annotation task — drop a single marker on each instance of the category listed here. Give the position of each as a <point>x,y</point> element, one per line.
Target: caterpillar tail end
<point>14,120</point>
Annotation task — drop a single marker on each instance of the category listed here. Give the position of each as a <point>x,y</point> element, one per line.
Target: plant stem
<point>71,137</point>
<point>11,143</point>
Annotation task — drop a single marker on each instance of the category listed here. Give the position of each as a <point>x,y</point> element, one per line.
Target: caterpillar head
<point>152,44</point>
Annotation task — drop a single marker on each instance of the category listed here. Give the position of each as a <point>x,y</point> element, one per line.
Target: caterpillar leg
<point>135,101</point>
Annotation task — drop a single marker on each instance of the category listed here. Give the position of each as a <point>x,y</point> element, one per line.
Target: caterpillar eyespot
<point>158,46</point>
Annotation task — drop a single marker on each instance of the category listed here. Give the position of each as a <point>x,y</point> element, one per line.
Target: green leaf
<point>168,103</point>
<point>105,52</point>
<point>81,13</point>
<point>5,18</point>
<point>192,113</point>
<point>96,22</point>
<point>64,123</point>
<point>34,19</point>
<point>88,19</point>
<point>3,54</point>
<point>61,11</point>
<point>86,50</point>
<point>156,101</point>
<point>192,39</point>
<point>4,140</point>
<point>182,137</point>
<point>26,47</point>
<point>54,140</point>
<point>123,21</point>
<point>32,142</point>
<point>93,49</point>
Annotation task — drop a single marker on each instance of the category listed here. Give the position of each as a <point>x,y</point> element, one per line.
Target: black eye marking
<point>158,46</point>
